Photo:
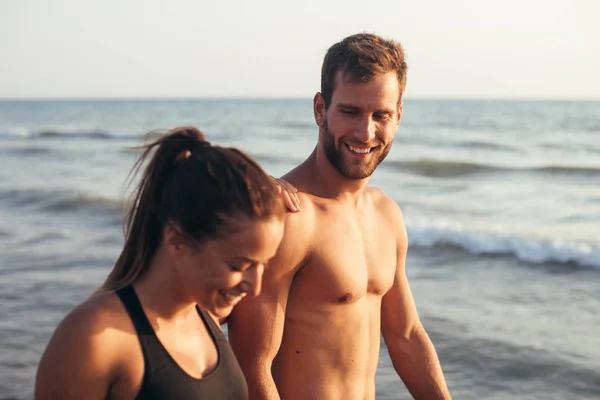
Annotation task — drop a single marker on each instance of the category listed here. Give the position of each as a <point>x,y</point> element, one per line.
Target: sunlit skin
<point>338,281</point>
<point>95,352</point>
<point>219,274</point>
<point>357,130</point>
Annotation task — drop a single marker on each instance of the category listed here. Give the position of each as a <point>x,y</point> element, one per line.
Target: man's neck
<point>324,180</point>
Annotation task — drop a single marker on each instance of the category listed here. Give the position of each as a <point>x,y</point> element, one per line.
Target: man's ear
<point>399,113</point>
<point>319,109</point>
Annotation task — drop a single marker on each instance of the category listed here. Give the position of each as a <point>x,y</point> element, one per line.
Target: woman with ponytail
<point>203,224</point>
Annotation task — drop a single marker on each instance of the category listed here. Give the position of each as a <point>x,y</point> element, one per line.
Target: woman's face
<point>224,270</point>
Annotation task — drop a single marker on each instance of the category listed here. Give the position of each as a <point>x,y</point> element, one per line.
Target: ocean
<point>501,201</point>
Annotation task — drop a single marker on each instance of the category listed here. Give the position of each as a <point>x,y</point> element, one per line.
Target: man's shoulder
<point>315,211</point>
<point>298,233</point>
<point>313,202</point>
<point>388,211</point>
<point>383,203</point>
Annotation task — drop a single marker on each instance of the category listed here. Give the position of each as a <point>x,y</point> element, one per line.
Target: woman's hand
<point>289,194</point>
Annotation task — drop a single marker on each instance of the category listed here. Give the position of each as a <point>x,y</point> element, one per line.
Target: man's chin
<point>356,173</point>
<point>353,170</point>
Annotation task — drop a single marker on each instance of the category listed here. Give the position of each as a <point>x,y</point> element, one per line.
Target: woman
<point>204,223</point>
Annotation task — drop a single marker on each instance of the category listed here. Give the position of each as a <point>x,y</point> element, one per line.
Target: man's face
<point>358,128</point>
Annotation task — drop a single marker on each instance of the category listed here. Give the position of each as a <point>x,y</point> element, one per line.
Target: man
<point>338,279</point>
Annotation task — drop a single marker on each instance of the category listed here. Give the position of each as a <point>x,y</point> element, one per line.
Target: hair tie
<point>183,155</point>
<point>197,146</point>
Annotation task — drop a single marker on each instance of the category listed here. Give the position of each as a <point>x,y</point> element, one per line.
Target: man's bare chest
<point>348,260</point>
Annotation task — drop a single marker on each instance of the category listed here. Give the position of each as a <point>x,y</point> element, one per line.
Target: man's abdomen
<point>328,352</point>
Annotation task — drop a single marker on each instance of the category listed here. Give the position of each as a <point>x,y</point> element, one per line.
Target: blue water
<point>501,201</point>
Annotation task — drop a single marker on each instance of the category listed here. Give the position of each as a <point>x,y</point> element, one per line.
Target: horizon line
<point>201,98</point>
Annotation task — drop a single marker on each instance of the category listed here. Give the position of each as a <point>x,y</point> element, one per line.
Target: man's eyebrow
<point>348,106</point>
<point>386,111</point>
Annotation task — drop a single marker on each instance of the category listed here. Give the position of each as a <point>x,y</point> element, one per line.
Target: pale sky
<point>267,48</point>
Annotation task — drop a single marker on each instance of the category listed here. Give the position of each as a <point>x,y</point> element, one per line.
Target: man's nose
<point>365,131</point>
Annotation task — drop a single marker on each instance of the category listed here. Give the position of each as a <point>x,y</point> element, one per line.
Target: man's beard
<point>355,169</point>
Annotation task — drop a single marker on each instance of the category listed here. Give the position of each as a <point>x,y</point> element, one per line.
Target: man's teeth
<point>359,150</point>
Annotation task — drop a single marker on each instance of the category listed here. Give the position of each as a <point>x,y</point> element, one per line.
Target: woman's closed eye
<point>240,267</point>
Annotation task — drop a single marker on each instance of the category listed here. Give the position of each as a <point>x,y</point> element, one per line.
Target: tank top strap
<point>216,332</point>
<point>153,351</point>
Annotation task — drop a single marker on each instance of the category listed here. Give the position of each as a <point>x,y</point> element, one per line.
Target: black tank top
<point>164,379</point>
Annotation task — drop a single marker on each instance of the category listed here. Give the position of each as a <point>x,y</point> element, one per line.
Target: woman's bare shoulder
<point>86,349</point>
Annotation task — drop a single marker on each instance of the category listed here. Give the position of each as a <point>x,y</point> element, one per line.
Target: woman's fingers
<point>289,194</point>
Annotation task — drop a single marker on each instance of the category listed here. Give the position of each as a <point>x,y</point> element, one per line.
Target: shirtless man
<point>338,279</point>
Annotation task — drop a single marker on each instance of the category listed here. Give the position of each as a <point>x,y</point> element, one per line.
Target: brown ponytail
<point>195,185</point>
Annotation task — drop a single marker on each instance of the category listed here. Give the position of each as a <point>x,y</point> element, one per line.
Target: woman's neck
<point>161,293</point>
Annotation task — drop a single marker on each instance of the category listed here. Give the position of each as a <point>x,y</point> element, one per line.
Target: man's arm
<point>255,326</point>
<point>409,346</point>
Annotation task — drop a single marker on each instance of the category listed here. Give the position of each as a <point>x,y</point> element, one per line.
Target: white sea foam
<point>532,249</point>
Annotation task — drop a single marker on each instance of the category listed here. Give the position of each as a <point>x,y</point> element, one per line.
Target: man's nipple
<point>346,298</point>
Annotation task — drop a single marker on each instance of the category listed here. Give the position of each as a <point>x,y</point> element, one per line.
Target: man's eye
<point>235,268</point>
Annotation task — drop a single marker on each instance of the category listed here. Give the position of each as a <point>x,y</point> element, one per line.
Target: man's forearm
<point>417,363</point>
<point>261,385</point>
